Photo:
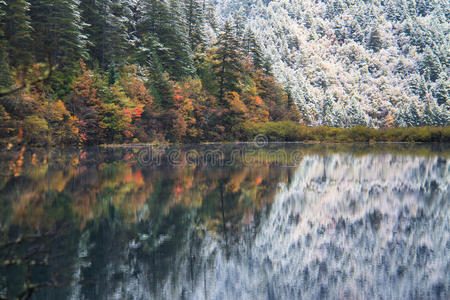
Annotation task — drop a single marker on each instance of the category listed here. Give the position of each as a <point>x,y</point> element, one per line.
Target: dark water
<point>226,222</point>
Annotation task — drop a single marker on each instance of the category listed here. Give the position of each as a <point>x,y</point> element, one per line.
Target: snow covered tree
<point>162,26</point>
<point>412,116</point>
<point>251,48</point>
<point>430,66</point>
<point>375,42</point>
<point>442,89</point>
<point>328,112</point>
<point>430,113</point>
<point>195,22</point>
<point>355,115</point>
<point>108,31</point>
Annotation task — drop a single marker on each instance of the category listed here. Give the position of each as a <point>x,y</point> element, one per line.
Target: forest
<point>128,71</point>
<point>356,63</point>
<point>83,72</point>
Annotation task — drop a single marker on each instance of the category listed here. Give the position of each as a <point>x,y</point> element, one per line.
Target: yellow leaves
<point>235,102</point>
<point>35,125</point>
<point>82,65</point>
<point>134,87</point>
<point>389,121</point>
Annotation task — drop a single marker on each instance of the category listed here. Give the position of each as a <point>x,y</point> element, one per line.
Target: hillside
<point>370,63</point>
<point>126,71</point>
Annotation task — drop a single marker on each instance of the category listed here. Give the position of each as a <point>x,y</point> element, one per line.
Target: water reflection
<point>342,222</point>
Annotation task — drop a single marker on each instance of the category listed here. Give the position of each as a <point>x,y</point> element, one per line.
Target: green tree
<point>5,76</point>
<point>328,111</point>
<point>17,33</point>
<point>251,48</point>
<point>430,113</point>
<point>412,115</point>
<point>161,30</point>
<point>57,35</point>
<point>228,62</point>
<point>194,11</point>
<point>108,31</point>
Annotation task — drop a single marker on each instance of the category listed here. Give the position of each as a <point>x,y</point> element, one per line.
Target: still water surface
<point>276,222</point>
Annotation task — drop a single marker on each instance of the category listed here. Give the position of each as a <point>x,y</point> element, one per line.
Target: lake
<point>236,221</point>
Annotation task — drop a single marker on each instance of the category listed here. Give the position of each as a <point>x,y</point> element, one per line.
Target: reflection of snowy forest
<point>342,227</point>
<point>357,62</point>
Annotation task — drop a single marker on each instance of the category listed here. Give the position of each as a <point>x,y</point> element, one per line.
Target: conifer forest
<point>125,71</point>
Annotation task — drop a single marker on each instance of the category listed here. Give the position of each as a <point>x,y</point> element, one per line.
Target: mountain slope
<point>348,63</point>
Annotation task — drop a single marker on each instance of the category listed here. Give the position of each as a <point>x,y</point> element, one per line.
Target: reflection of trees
<point>32,260</point>
<point>98,219</point>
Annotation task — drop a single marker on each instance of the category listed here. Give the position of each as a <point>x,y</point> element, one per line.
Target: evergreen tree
<point>355,115</point>
<point>17,32</point>
<point>108,31</point>
<point>5,76</point>
<point>430,66</point>
<point>419,86</point>
<point>375,42</point>
<point>116,34</point>
<point>430,113</point>
<point>251,48</point>
<point>194,11</point>
<point>162,25</point>
<point>412,115</point>
<point>161,87</point>
<point>182,64</point>
<point>228,65</point>
<point>442,89</point>
<point>57,32</point>
<point>238,25</point>
<point>328,111</point>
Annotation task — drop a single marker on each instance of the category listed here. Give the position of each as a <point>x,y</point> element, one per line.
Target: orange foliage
<point>84,86</point>
<point>236,105</point>
<point>134,87</point>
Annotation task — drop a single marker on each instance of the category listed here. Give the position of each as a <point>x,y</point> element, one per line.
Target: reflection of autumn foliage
<point>94,185</point>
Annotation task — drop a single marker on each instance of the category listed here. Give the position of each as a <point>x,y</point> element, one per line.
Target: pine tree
<point>57,32</point>
<point>108,31</point>
<point>116,34</point>
<point>228,65</point>
<point>238,25</point>
<point>375,41</point>
<point>442,89</point>
<point>162,25</point>
<point>355,114</point>
<point>194,11</point>
<point>178,41</point>
<point>412,115</point>
<point>5,76</point>
<point>429,114</point>
<point>328,111</point>
<point>251,48</point>
<point>430,66</point>
<point>17,33</point>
